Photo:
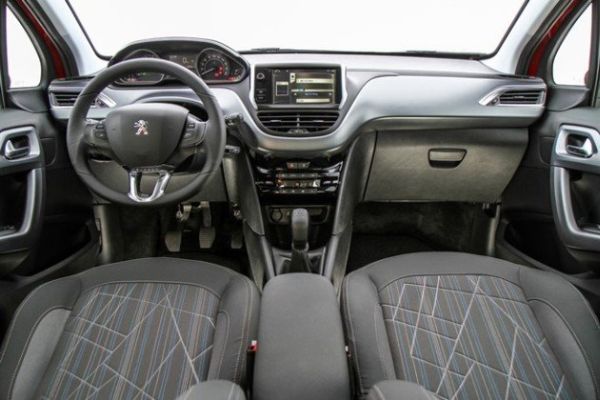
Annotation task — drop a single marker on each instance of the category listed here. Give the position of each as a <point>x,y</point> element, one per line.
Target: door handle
<point>12,152</point>
<point>584,149</point>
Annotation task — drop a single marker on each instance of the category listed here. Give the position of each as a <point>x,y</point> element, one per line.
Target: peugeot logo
<point>142,127</point>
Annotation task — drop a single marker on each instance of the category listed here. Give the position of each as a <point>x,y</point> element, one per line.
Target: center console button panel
<point>299,178</point>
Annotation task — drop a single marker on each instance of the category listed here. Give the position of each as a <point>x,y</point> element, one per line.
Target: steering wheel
<point>150,139</point>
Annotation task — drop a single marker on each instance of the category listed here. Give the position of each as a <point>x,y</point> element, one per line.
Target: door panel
<point>574,178</point>
<point>22,174</point>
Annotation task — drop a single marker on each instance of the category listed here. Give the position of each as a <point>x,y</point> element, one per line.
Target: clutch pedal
<point>174,238</point>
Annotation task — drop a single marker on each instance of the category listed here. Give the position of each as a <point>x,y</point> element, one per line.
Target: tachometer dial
<point>141,78</point>
<point>213,66</point>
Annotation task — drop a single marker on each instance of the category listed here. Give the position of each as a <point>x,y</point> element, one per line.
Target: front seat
<point>140,329</point>
<point>469,327</point>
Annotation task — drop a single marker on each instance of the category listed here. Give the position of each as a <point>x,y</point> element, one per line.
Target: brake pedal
<point>237,239</point>
<point>173,240</point>
<point>207,233</point>
<point>206,237</point>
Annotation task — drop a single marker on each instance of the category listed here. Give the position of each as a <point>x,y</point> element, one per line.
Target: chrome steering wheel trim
<point>135,181</point>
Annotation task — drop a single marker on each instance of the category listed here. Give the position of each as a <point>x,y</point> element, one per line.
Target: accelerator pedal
<point>237,238</point>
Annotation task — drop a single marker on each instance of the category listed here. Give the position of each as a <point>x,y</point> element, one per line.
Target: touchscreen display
<point>304,87</point>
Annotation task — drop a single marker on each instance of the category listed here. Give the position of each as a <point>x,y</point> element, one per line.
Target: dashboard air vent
<point>68,99</point>
<point>298,122</point>
<point>516,96</point>
<point>521,97</point>
<point>64,99</point>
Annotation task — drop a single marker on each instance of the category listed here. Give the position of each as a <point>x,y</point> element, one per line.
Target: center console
<point>297,101</point>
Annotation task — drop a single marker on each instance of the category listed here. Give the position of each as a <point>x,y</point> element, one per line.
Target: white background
<point>373,25</point>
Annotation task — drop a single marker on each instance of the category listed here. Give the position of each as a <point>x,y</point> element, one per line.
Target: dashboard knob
<point>260,76</point>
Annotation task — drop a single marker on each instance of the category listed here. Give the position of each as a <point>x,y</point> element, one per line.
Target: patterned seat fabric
<point>134,341</point>
<point>470,337</point>
<point>147,329</point>
<point>470,327</point>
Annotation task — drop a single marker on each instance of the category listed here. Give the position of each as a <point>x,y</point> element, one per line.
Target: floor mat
<point>382,230</point>
<point>366,249</point>
<point>235,260</point>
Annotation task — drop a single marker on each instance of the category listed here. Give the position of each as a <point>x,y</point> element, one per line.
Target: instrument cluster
<point>214,65</point>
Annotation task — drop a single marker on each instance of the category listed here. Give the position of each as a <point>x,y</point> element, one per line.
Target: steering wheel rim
<point>214,136</point>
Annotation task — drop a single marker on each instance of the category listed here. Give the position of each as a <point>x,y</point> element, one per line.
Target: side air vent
<point>68,99</point>
<point>516,97</point>
<point>64,99</point>
<point>298,122</point>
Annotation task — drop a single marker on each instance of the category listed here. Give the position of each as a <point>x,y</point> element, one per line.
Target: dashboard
<point>213,62</point>
<point>315,104</point>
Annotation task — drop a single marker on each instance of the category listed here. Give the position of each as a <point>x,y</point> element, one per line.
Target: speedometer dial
<point>141,78</point>
<point>213,66</point>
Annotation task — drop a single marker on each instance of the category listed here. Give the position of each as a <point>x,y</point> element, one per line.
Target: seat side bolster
<point>569,325</point>
<point>399,390</point>
<point>236,327</point>
<point>214,390</point>
<point>33,335</point>
<point>366,333</point>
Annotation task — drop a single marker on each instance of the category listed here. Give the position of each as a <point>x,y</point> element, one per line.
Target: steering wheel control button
<point>100,131</point>
<point>193,134</point>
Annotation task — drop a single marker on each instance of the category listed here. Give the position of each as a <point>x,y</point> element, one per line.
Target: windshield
<point>457,26</point>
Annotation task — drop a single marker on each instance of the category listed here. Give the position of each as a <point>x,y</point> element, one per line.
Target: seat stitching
<point>203,352</point>
<point>81,338</point>
<point>180,337</point>
<point>514,322</point>
<point>435,317</point>
<point>379,392</point>
<point>163,282</point>
<point>89,321</point>
<point>245,331</point>
<point>352,338</point>
<point>424,274</point>
<point>78,378</point>
<point>467,313</point>
<point>179,310</point>
<point>222,358</point>
<point>99,388</point>
<point>420,328</point>
<point>230,392</point>
<point>23,351</point>
<point>119,375</point>
<point>469,293</point>
<point>464,380</point>
<point>379,352</point>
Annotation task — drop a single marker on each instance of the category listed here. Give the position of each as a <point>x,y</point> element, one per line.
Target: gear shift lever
<point>300,225</point>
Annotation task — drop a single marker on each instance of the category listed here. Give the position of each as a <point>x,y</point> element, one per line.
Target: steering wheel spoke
<point>96,138</point>
<point>194,133</point>
<point>135,184</point>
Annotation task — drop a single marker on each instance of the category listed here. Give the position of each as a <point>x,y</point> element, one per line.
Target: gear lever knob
<point>300,225</point>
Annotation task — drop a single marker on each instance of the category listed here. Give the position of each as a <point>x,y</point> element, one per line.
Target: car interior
<point>297,200</point>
